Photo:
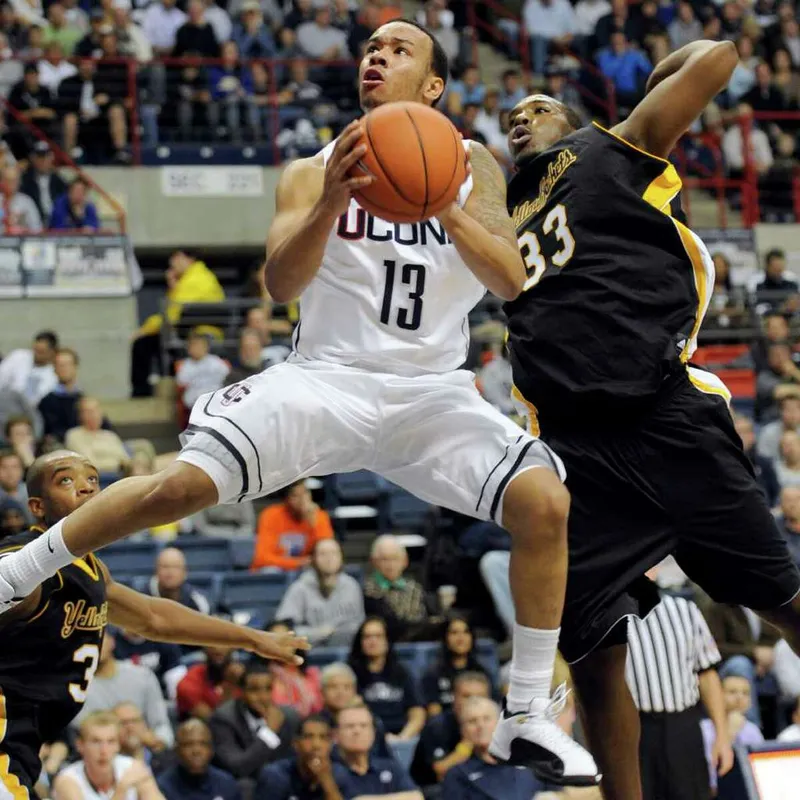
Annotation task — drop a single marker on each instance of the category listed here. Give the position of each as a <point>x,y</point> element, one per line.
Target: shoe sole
<point>521,756</point>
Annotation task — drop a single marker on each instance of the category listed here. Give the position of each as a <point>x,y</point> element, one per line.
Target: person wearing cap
<point>41,182</point>
<point>253,38</point>
<point>35,104</point>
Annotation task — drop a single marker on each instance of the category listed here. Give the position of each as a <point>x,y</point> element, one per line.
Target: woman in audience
<point>297,687</point>
<point>457,656</point>
<point>384,684</point>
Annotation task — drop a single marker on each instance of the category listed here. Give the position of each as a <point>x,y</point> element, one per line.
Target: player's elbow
<point>277,287</point>
<point>509,287</point>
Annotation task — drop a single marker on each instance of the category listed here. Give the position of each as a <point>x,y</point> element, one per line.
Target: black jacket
<point>238,750</point>
<point>29,185</point>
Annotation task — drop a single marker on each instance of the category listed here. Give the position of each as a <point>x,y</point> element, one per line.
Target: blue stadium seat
<point>130,558</point>
<point>322,656</point>
<point>356,488</point>
<point>126,580</point>
<point>210,584</point>
<point>204,554</point>
<point>242,552</point>
<point>403,751</point>
<point>355,571</point>
<point>253,591</point>
<point>404,511</point>
<point>415,656</point>
<point>486,653</point>
<point>141,583</point>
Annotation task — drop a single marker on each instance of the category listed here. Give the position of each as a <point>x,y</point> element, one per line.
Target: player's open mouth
<point>520,136</point>
<point>372,78</point>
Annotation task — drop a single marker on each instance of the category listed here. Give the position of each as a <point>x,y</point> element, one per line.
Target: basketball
<point>418,159</point>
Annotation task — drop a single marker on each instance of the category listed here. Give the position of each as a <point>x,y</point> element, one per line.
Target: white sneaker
<point>532,739</point>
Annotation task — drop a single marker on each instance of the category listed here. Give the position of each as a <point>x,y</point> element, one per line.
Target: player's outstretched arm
<point>309,199</point>
<point>483,232</point>
<point>678,90</point>
<point>161,620</point>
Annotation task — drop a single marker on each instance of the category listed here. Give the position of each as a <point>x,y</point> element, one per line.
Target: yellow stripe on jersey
<point>14,789</point>
<point>663,190</point>
<point>530,408</point>
<point>90,570</point>
<point>3,716</point>
<point>47,604</point>
<point>708,383</point>
<point>630,144</point>
<point>701,283</point>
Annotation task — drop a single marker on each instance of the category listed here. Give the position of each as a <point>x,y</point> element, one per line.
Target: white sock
<point>39,560</point>
<point>531,666</point>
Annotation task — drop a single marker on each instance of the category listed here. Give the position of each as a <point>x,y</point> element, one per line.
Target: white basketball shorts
<point>433,435</point>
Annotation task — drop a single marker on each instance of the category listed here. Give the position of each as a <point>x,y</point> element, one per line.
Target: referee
<point>670,669</point>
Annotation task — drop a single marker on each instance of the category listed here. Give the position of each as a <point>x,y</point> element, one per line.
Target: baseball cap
<point>41,148</point>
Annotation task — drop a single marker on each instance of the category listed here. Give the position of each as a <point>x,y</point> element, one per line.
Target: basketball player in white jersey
<point>102,773</point>
<point>374,383</point>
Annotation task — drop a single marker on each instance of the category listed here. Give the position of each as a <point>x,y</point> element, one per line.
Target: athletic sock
<point>532,666</point>
<point>39,560</point>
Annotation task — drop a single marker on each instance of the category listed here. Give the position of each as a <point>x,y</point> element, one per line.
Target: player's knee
<point>179,490</point>
<point>536,505</point>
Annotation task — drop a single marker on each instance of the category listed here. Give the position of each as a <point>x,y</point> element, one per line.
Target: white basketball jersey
<point>77,772</point>
<point>388,297</point>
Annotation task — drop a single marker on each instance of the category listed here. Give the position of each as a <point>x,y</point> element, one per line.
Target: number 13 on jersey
<point>555,223</point>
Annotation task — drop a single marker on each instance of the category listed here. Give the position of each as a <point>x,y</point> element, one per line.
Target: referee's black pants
<point>673,761</point>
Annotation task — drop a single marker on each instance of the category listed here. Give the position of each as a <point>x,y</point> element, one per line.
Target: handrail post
<point>136,134</point>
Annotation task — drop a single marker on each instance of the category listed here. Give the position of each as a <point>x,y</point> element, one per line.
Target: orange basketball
<point>418,159</point>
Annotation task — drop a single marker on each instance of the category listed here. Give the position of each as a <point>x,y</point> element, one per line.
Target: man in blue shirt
<point>310,775</point>
<point>367,775</point>
<point>192,778</point>
<point>480,777</point>
<point>626,67</point>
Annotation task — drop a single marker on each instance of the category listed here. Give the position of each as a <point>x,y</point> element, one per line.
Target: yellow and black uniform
<point>600,342</point>
<point>46,664</point>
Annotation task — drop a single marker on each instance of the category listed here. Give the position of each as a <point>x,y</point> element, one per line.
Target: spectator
<point>271,10</point>
<point>84,100</point>
<point>102,771</point>
<point>193,777</point>
<point>549,24</point>
<point>229,521</point>
<point>512,90</point>
<point>469,90</point>
<point>118,682</point>
<point>727,303</point>
<point>202,372</point>
<point>560,88</point>
<point>440,745</point>
<point>35,104</point>
<point>298,687</point>
<point>11,69</point>
<point>456,658</point>
<point>249,361</point>
<point>12,518</point>
<point>480,777</point>
<point>61,31</point>
<point>161,657</point>
<point>625,67</point>
<point>136,740</point>
<point>310,774</point>
<point>73,211</point>
<point>75,15</point>
<point>189,280</point>
<point>446,37</point>
<point>89,46</point>
<point>206,686</point>
<point>30,372</point>
<point>776,287</point>
<point>220,22</point>
<point>12,26</point>
<point>742,731</point>
<point>469,114</point>
<point>339,691</point>
<point>300,11</point>
<point>789,520</point>
<point>318,39</point>
<point>324,603</point>
<point>367,775</point>
<point>619,20</point>
<point>252,36</point>
<point>764,96</point>
<point>789,35</point>
<point>763,467</point>
<point>342,16</point>
<point>785,80</point>
<point>21,216</point>
<point>102,447</point>
<point>733,146</point>
<point>259,318</point>
<point>170,582</point>
<point>391,595</point>
<point>53,68</point>
<point>288,531</point>
<point>299,98</point>
<point>12,484</point>
<point>40,181</point>
<point>778,380</point>
<point>252,731</point>
<point>384,683</point>
<point>20,438</point>
<point>744,73</point>
<point>731,19</point>
<point>131,39</point>
<point>769,437</point>
<point>792,733</point>
<point>231,85</point>
<point>113,77</point>
<point>685,28</point>
<point>775,329</point>
<point>15,404</point>
<point>196,36</point>
<point>787,467</point>
<point>588,13</point>
<point>160,24</point>
<point>366,24</point>
<point>187,111</point>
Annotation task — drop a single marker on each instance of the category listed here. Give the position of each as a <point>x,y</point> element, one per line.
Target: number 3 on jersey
<point>88,654</point>
<point>535,263</point>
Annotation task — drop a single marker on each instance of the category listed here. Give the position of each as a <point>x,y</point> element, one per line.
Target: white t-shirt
<point>77,773</point>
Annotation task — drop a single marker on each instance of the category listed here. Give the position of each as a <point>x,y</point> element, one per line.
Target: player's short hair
<point>47,336</point>
<point>69,352</point>
<point>440,64</point>
<point>98,719</point>
<point>317,719</point>
<point>776,252</point>
<point>473,676</point>
<point>356,703</point>
<point>255,667</point>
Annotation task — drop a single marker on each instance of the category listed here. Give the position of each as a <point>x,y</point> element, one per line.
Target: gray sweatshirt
<point>314,615</point>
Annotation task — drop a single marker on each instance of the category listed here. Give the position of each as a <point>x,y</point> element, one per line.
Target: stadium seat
<point>130,558</point>
<point>210,584</point>
<point>252,591</point>
<point>719,355</point>
<point>740,382</point>
<point>486,653</point>
<point>403,751</point>
<point>322,656</point>
<point>415,656</point>
<point>242,552</point>
<point>357,488</point>
<point>355,571</point>
<point>204,554</point>
<point>404,511</point>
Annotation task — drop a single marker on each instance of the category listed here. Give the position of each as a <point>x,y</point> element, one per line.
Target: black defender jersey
<point>48,660</point>
<point>617,286</point>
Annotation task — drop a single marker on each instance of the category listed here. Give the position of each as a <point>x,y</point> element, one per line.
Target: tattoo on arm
<point>487,203</point>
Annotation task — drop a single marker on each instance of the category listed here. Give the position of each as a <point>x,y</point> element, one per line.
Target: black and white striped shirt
<point>666,651</point>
